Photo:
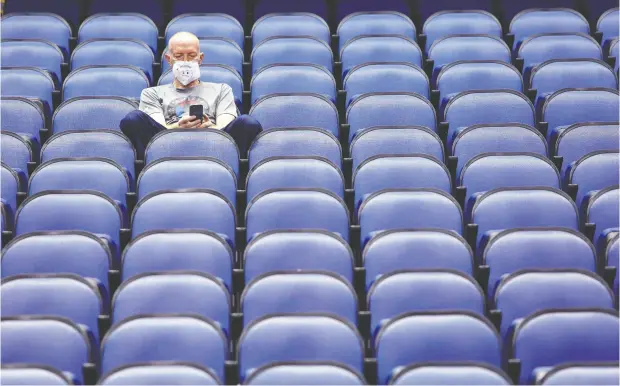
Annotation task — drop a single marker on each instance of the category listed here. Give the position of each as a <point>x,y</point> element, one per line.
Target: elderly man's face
<point>183,51</point>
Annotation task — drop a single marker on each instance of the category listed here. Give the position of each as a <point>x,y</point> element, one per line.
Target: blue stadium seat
<point>29,82</point>
<point>399,172</point>
<point>216,50</point>
<point>122,81</point>
<point>556,336</point>
<point>413,338</point>
<point>379,48</point>
<point>595,104</point>
<point>16,151</point>
<point>395,140</point>
<point>120,26</point>
<point>109,144</point>
<point>207,25</point>
<point>416,249</point>
<point>607,26</point>
<point>374,23</point>
<point>594,171</point>
<point>22,116</point>
<point>584,373</point>
<point>77,252</point>
<point>84,113</point>
<point>234,8</point>
<point>153,9</point>
<point>11,184</point>
<point>433,290</point>
<point>389,109</point>
<point>63,295</point>
<point>459,22</point>
<point>194,143</point>
<point>601,208</point>
<point>19,374</point>
<point>462,373</point>
<point>46,340</point>
<point>425,9</point>
<point>614,52</point>
<point>314,372</point>
<point>163,337</point>
<point>166,372</point>
<point>184,209</point>
<point>306,292</point>
<point>293,208</point>
<point>291,49</point>
<point>385,77</point>
<point>68,9</point>
<point>292,250</point>
<point>293,78</point>
<point>32,25</point>
<point>114,52</point>
<point>264,7</point>
<point>311,110</point>
<point>158,251</point>
<point>408,208</point>
<point>612,257</point>
<point>183,292</point>
<point>290,24</point>
<point>346,7</point>
<point>488,171</point>
<point>512,250</point>
<point>186,173</point>
<point>294,172</point>
<point>302,337</point>
<point>33,53</point>
<point>510,9</point>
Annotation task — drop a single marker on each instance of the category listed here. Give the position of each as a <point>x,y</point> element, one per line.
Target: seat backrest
<point>444,374</point>
<point>216,50</point>
<point>594,171</point>
<point>264,7</point>
<point>446,23</point>
<point>291,49</point>
<point>33,53</point>
<point>217,25</point>
<point>607,24</point>
<point>22,116</point>
<point>122,81</point>
<point>119,26</point>
<point>315,372</point>
<point>291,78</point>
<point>65,8</point>
<point>29,82</point>
<point>290,24</point>
<point>601,209</point>
<point>511,9</point>
<point>379,48</point>
<point>9,188</point>
<point>537,21</point>
<point>293,250</point>
<point>33,25</point>
<point>16,151</point>
<point>427,9</point>
<point>374,23</point>
<point>160,371</point>
<point>15,374</point>
<point>346,7</point>
<point>582,373</point>
<point>85,113</point>
<point>154,10</point>
<point>579,139</point>
<point>614,51</point>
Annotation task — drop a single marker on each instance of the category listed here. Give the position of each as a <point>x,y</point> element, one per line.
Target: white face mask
<point>186,72</point>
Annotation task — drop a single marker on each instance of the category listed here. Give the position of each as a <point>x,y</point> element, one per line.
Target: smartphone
<point>196,111</point>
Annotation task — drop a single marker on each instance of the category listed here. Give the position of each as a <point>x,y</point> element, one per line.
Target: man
<point>168,106</point>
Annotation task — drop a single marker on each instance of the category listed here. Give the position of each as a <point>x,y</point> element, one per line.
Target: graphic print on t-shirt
<point>179,107</point>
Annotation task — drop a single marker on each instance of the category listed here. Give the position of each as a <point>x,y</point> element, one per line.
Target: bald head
<point>183,46</point>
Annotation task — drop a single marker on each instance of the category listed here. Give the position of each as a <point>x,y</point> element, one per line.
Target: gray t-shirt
<point>167,104</point>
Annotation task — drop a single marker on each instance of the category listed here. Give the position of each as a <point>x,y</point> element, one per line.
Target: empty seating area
<point>433,199</point>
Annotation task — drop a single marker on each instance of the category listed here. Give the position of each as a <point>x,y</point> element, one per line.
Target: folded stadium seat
<point>395,140</point>
<point>114,52</point>
<point>311,110</point>
<point>385,77</point>
<point>12,183</point>
<point>595,104</point>
<point>454,48</point>
<point>293,78</point>
<point>59,252</point>
<point>406,209</point>
<point>594,171</point>
<point>399,172</point>
<point>509,208</point>
<point>468,75</point>
<point>153,9</point>
<point>182,292</point>
<point>207,25</point>
<point>540,48</point>
<point>614,52</point>
<point>291,49</point>
<point>379,48</point>
<point>120,26</point>
<point>297,250</point>
<point>70,10</point>
<point>16,151</point>
<point>557,336</point>
<point>299,338</point>
<point>485,107</point>
<point>30,25</point>
<point>92,112</point>
<point>488,171</point>
<point>422,290</point>
<point>264,7</point>
<point>306,292</point>
<point>63,295</point>
<point>315,372</point>
<point>424,9</point>
<point>573,142</point>
<point>200,209</point>
<point>447,23</point>
<point>108,144</point>
<point>607,26</point>
<point>447,374</point>
<point>290,24</point>
<point>435,336</point>
<point>118,80</point>
<point>193,143</point>
<point>160,371</point>
<point>222,51</point>
<point>23,116</point>
<point>538,21</point>
<point>17,374</point>
<point>524,292</point>
<point>376,24</point>
<point>387,109</point>
<point>234,8</point>
<point>165,337</point>
<point>294,208</point>
<point>600,211</point>
<point>294,172</point>
<point>295,141</point>
<point>47,340</point>
<point>584,373</point>
<point>612,257</point>
<point>29,82</point>
<point>510,9</point>
<point>34,53</point>
<point>346,7</point>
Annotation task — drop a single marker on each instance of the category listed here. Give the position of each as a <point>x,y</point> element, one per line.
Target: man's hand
<point>190,122</point>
